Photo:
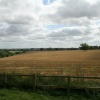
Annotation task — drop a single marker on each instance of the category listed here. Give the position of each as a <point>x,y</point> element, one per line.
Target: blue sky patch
<point>56,26</point>
<point>46,2</point>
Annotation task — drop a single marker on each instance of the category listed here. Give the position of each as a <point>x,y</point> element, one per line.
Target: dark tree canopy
<point>84,46</point>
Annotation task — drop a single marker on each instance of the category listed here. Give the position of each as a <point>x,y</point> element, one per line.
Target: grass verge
<point>6,94</point>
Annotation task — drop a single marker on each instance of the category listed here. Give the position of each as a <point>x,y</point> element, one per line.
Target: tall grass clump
<point>25,82</point>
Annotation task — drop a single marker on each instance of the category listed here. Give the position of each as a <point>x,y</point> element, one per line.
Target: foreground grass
<point>6,94</point>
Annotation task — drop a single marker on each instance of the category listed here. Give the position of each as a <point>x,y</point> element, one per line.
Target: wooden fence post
<point>5,80</point>
<point>68,85</point>
<point>34,82</point>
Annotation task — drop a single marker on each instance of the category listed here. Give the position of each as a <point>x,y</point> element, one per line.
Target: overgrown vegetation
<point>21,88</point>
<point>14,94</point>
<point>27,82</point>
<point>16,81</point>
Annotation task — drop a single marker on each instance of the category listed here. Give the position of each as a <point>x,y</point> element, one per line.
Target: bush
<point>17,81</point>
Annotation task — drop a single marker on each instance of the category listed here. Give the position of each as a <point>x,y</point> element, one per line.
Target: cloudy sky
<point>49,23</point>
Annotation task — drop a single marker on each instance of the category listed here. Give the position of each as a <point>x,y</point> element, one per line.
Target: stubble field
<point>74,63</point>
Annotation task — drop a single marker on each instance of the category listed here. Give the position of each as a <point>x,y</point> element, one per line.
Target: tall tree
<point>84,46</point>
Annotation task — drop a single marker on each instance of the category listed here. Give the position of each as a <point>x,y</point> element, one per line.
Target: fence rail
<point>36,78</point>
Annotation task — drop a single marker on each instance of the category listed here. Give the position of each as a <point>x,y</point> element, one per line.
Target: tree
<point>84,46</point>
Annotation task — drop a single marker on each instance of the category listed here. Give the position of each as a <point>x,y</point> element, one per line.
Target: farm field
<point>69,62</point>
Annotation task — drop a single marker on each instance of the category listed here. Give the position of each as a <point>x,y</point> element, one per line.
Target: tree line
<point>85,46</point>
<point>11,52</point>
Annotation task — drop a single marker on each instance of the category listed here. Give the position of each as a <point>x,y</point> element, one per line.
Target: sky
<point>49,23</point>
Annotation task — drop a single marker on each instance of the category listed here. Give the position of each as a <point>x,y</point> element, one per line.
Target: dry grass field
<point>75,62</point>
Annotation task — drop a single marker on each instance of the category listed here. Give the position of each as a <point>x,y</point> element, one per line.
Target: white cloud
<point>92,2</point>
<point>24,22</point>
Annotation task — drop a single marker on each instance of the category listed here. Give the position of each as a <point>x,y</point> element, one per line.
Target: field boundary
<point>68,86</point>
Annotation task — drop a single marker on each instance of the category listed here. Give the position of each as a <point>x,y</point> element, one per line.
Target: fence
<point>34,82</point>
